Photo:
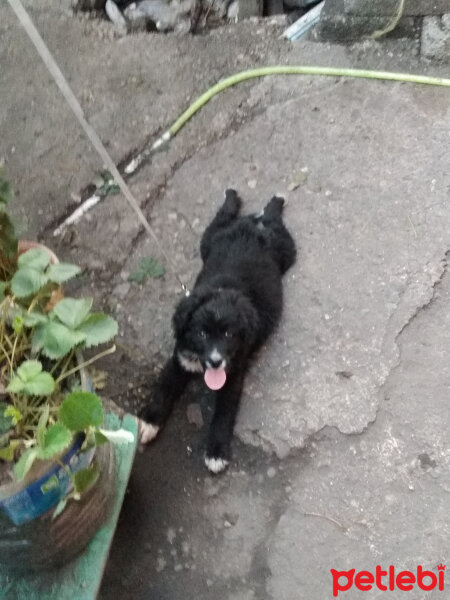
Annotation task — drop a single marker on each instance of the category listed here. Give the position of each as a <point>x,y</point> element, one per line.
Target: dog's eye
<point>202,334</point>
<point>228,334</point>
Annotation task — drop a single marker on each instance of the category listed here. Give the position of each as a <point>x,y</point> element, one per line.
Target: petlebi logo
<point>388,580</point>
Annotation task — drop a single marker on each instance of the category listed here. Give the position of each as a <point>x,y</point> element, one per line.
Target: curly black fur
<point>234,306</point>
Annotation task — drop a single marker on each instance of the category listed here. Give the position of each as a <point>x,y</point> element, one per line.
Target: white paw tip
<point>216,465</point>
<point>147,432</point>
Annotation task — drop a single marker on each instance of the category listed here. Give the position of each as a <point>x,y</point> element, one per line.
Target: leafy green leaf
<point>33,319</point>
<point>148,267</point>
<point>98,329</point>
<point>42,425</point>
<point>85,478</point>
<point>15,386</point>
<point>56,439</point>
<point>72,312</point>
<point>17,324</point>
<point>27,281</point>
<point>14,413</point>
<point>36,258</point>
<point>24,464</point>
<point>8,452</point>
<point>55,340</point>
<point>62,272</point>
<point>81,410</point>
<point>43,419</point>
<point>42,385</point>
<point>31,380</point>
<point>6,421</point>
<point>59,507</point>
<point>29,369</point>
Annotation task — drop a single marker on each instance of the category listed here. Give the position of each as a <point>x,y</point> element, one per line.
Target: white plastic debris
<point>298,29</point>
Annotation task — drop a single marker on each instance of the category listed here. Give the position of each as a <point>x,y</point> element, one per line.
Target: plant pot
<point>30,538</point>
<point>44,542</point>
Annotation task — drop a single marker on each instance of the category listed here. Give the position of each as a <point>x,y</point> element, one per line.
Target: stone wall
<point>343,20</point>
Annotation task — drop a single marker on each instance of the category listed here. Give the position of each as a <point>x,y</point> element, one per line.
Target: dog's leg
<point>221,432</point>
<point>281,242</point>
<point>168,388</point>
<point>225,215</point>
<point>273,210</point>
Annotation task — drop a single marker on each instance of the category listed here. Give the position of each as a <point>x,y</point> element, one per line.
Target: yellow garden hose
<point>298,70</point>
<point>275,70</point>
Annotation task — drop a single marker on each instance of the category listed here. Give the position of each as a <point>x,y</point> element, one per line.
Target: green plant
<point>42,408</point>
<point>148,267</point>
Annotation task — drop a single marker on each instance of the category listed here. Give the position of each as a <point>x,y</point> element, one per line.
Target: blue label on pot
<point>46,492</point>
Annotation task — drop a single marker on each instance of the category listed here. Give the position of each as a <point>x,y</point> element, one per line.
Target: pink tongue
<point>215,378</point>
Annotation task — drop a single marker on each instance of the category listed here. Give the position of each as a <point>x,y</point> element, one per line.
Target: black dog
<point>234,306</point>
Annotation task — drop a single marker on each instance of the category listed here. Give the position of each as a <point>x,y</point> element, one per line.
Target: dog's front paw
<point>217,456</point>
<point>147,432</point>
<point>215,464</point>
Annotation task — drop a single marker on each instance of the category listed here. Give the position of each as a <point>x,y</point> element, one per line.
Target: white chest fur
<point>190,363</point>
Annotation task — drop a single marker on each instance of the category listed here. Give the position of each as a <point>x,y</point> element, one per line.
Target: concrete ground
<point>341,456</point>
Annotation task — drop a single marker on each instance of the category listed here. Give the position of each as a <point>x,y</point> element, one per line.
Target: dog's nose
<point>215,362</point>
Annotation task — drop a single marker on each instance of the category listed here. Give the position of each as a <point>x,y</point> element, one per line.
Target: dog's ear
<point>185,309</point>
<point>183,313</point>
<point>248,320</point>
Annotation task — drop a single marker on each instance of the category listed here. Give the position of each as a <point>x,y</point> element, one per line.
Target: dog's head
<point>215,326</point>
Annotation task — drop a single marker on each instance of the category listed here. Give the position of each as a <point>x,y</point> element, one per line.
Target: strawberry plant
<point>42,406</point>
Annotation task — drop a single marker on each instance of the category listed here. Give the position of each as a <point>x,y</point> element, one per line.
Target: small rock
<point>231,518</point>
<point>122,289</point>
<point>227,524</point>
<point>185,548</point>
<point>252,184</point>
<point>161,564</point>
<point>178,568</point>
<point>271,472</point>
<point>171,535</point>
<point>194,415</point>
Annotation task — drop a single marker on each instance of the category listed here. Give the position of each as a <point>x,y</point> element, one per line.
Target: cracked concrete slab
<point>341,452</point>
<point>372,237</point>
<point>381,498</point>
